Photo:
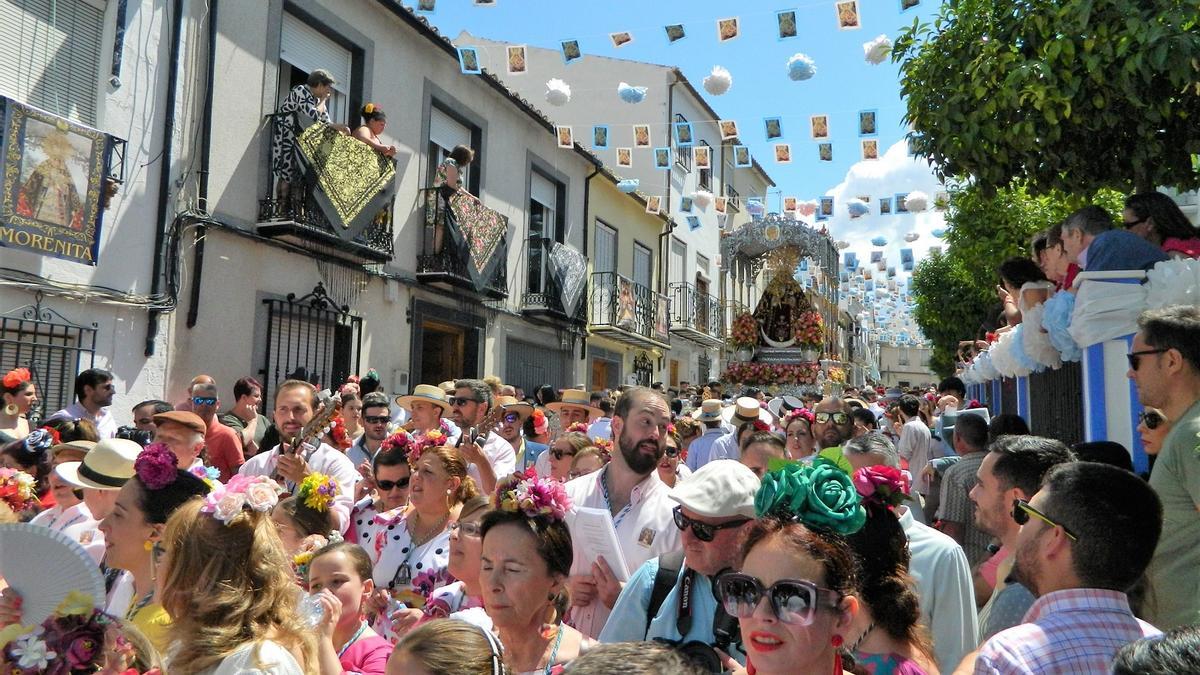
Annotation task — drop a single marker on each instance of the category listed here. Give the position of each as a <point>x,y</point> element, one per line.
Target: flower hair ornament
<point>605,447</point>
<point>337,433</point>
<point>18,490</point>
<point>803,413</point>
<point>226,502</point>
<point>578,428</point>
<point>308,550</point>
<point>317,491</point>
<point>15,377</point>
<point>156,467</point>
<point>820,496</point>
<point>434,438</point>
<point>208,474</point>
<point>532,496</point>
<point>883,485</point>
<point>39,441</point>
<point>540,425</point>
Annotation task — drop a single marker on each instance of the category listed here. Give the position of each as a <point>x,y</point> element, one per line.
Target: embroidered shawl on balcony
<point>569,268</point>
<point>354,182</point>
<point>480,232</point>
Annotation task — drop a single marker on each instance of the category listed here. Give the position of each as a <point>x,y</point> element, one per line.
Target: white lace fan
<point>43,566</point>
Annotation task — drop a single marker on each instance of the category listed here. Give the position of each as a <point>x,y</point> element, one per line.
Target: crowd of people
<point>465,527</point>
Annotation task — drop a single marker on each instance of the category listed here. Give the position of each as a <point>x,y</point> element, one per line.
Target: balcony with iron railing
<point>543,297</point>
<point>696,315</point>
<point>441,261</point>
<point>629,312</point>
<point>299,218</point>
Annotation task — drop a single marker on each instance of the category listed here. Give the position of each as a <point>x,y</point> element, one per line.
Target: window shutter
<point>605,259</point>
<point>50,55</point>
<point>445,132</point>
<point>307,49</point>
<point>641,265</point>
<point>543,191</point>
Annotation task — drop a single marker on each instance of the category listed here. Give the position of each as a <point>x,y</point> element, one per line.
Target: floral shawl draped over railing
<point>480,232</point>
<point>353,181</point>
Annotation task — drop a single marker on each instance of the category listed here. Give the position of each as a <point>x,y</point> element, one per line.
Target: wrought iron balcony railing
<point>441,261</point>
<point>696,315</point>
<point>543,294</point>
<point>628,311</point>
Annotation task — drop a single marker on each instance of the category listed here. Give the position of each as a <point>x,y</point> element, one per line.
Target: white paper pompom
<point>630,93</point>
<point>917,201</point>
<point>558,92</point>
<point>718,82</point>
<point>911,237</point>
<point>702,198</point>
<point>801,67</point>
<point>876,51</point>
<point>857,208</point>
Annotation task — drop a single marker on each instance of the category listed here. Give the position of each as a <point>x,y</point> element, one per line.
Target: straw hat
<point>575,398</point>
<point>747,409</point>
<point>105,467</point>
<point>447,387</point>
<point>709,410</point>
<point>71,451</point>
<point>514,404</point>
<point>427,393</point>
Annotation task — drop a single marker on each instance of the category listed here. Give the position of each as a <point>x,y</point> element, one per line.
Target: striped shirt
<point>1077,630</point>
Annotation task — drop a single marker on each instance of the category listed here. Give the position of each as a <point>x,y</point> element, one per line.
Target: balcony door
<point>543,229</point>
<point>604,267</point>
<point>643,265</point>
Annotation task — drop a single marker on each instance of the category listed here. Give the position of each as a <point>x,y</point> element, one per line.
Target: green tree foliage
<point>955,292</point>
<point>1068,95</point>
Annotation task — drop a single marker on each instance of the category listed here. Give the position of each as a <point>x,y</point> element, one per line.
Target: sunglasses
<point>469,529</point>
<point>389,485</point>
<point>1133,223</point>
<point>838,417</point>
<point>461,400</point>
<point>1135,358</point>
<point>511,418</point>
<point>1151,419</point>
<point>1022,510</point>
<point>377,419</point>
<point>559,454</point>
<point>671,451</point>
<point>794,601</point>
<point>704,531</point>
<point>204,400</point>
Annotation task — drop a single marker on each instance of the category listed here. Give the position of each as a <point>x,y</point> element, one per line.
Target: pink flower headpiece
<point>578,428</point>
<point>225,502</point>
<point>803,413</point>
<point>605,446</point>
<point>532,496</point>
<point>883,485</point>
<point>540,425</point>
<point>156,466</point>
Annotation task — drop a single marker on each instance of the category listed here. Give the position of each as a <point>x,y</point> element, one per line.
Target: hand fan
<point>43,566</point>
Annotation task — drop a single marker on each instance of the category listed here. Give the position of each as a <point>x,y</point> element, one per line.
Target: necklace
<point>139,605</point>
<point>403,575</point>
<point>554,651</point>
<point>859,641</point>
<point>429,534</point>
<point>354,638</point>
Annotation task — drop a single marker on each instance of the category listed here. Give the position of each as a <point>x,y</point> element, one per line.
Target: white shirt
<point>699,452</point>
<point>915,446</point>
<point>542,464</point>
<point>77,523</point>
<point>943,578</point>
<point>645,529</point>
<point>500,454</point>
<point>725,447</point>
<point>324,459</point>
<point>601,428</point>
<point>106,424</point>
<point>257,658</point>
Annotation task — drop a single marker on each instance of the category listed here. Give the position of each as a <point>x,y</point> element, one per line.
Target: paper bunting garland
<point>600,137</point>
<point>783,153</point>
<point>786,20</point>
<point>878,241</point>
<point>468,61</point>
<point>517,61</point>
<point>683,134</point>
<point>807,208</point>
<point>641,136</point>
<point>654,205</point>
<point>866,123</point>
<point>558,92</point>
<point>631,94</point>
<point>427,6</point>
<point>773,127</point>
<point>727,29</point>
<point>675,32</point>
<point>870,149</point>
<point>847,15</point>
<point>911,237</point>
<point>620,39</point>
<point>718,81</point>
<point>876,51</point>
<point>819,127</point>
<point>625,157</point>
<point>800,67</point>
<point>825,152</point>
<point>570,51</point>
<point>662,158</point>
<point>566,137</point>
<point>728,128</point>
<point>857,208</point>
<point>741,157</point>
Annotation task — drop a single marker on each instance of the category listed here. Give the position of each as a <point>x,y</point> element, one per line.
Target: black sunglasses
<point>1135,358</point>
<point>377,419</point>
<point>462,400</point>
<point>1151,419</point>
<point>559,454</point>
<point>1022,511</point>
<point>671,451</point>
<point>794,601</point>
<point>389,485</point>
<point>1133,223</point>
<point>703,531</point>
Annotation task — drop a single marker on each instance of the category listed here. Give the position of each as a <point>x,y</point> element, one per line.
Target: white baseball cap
<point>722,488</point>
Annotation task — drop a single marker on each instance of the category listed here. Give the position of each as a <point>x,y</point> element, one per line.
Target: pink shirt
<point>367,656</point>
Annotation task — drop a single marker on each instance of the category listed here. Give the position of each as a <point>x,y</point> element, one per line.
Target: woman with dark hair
<point>374,122</point>
<point>796,593</point>
<point>1156,218</point>
<point>448,184</point>
<point>19,396</point>
<point>526,560</point>
<point>797,426</point>
<point>887,635</point>
<point>545,394</point>
<point>1022,285</point>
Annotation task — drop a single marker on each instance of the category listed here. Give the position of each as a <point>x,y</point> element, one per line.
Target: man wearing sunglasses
<point>1164,363</point>
<point>376,414</point>
<point>1086,537</point>
<point>223,444</point>
<point>715,507</point>
<point>492,456</point>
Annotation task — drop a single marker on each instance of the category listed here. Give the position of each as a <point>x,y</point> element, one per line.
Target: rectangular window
<point>735,199</point>
<point>683,153</point>
<point>706,174</point>
<point>303,49</point>
<point>604,258</point>
<point>50,55</point>
<point>643,264</point>
<point>445,132</point>
<point>678,261</point>
<point>544,224</point>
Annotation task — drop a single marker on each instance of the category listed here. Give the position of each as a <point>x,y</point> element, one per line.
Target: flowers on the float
<point>809,329</point>
<point>317,491</point>
<point>18,489</point>
<point>16,377</point>
<point>156,466</point>
<point>819,495</point>
<point>837,374</point>
<point>743,334</point>
<point>532,495</point>
<point>755,373</point>
<point>884,485</point>
<point>225,502</point>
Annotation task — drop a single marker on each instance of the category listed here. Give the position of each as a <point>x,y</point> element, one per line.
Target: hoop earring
<point>11,410</point>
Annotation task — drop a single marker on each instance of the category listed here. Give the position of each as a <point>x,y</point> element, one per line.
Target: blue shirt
<point>627,622</point>
<point>700,451</point>
<point>1121,250</point>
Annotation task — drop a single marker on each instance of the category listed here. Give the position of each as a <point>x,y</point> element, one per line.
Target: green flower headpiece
<point>820,496</point>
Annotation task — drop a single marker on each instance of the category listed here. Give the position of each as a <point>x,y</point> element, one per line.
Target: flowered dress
<point>408,573</point>
<point>366,521</point>
<point>285,153</point>
<point>444,602</point>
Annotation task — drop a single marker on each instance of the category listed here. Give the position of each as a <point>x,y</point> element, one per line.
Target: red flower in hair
<point>16,377</point>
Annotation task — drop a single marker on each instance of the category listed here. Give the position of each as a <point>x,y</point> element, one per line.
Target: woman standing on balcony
<point>448,181</point>
<point>374,121</point>
<point>310,99</point>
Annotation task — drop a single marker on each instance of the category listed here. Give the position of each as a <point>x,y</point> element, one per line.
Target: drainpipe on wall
<point>587,202</point>
<point>210,77</point>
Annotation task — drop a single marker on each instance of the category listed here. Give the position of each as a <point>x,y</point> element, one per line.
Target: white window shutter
<point>307,49</point>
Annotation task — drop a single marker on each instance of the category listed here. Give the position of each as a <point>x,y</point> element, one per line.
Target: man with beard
<point>629,488</point>
<point>469,406</point>
<point>1086,536</point>
<point>1011,469</point>
<point>376,413</point>
<point>94,393</point>
<point>833,426</point>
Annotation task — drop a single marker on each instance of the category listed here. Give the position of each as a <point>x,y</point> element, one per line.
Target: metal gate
<point>312,338</point>
<point>530,366</point>
<point>53,348</point>
<point>1056,403</point>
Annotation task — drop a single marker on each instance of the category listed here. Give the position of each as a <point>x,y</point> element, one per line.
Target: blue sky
<point>844,84</point>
